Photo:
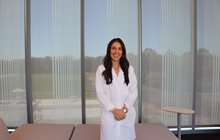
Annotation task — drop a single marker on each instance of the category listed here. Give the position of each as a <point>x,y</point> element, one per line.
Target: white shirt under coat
<point>115,95</point>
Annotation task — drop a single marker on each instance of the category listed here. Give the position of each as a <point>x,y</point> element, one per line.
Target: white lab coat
<point>115,95</point>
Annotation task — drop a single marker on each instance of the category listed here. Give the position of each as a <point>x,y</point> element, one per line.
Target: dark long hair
<point>107,62</point>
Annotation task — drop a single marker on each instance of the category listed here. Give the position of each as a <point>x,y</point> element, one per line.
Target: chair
<point>4,135</point>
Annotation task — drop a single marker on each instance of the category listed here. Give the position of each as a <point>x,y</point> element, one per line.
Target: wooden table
<point>179,111</point>
<point>43,132</point>
<point>144,131</point>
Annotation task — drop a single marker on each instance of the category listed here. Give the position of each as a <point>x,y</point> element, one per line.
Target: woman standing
<point>116,89</point>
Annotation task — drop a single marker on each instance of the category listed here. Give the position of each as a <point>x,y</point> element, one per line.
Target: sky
<point>40,27</point>
<point>100,28</point>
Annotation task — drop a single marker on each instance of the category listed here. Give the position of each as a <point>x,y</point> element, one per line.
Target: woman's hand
<point>119,114</point>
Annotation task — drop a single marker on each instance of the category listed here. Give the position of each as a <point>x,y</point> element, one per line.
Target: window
<point>167,59</point>
<point>105,20</point>
<point>208,63</point>
<point>12,64</point>
<point>167,42</point>
<point>55,44</point>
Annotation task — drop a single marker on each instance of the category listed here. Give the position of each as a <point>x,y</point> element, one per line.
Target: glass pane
<point>55,42</point>
<point>105,20</point>
<point>167,59</point>
<point>208,63</point>
<point>13,108</point>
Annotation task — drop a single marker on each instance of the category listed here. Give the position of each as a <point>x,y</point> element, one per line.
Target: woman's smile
<point>116,51</point>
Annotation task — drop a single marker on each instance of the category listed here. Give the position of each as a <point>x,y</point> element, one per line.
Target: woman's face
<point>116,51</point>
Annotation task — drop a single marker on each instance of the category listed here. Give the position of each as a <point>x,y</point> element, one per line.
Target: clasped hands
<point>119,113</point>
